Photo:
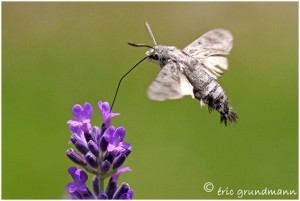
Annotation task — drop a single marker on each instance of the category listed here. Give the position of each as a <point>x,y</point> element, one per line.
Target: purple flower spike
<point>82,116</point>
<point>106,113</point>
<point>115,138</point>
<point>115,176</point>
<point>100,151</point>
<point>80,178</point>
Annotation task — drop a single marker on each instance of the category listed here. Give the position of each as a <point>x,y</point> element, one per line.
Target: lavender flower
<point>106,114</point>
<point>80,178</point>
<point>78,189</point>
<point>114,137</point>
<point>82,116</point>
<point>101,152</point>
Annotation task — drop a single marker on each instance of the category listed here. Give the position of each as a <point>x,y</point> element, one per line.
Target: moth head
<point>155,54</point>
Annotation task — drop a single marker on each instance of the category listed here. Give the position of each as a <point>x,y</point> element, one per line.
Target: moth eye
<point>155,57</point>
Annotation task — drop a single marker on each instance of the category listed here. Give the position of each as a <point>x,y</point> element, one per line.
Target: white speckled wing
<point>170,83</point>
<point>209,48</point>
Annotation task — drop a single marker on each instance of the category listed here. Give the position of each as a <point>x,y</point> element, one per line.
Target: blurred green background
<point>57,54</point>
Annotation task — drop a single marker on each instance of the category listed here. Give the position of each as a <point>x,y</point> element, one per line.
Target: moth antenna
<point>150,33</point>
<point>139,45</point>
<point>113,102</point>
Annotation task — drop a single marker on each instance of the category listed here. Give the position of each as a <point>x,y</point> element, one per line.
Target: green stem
<point>101,185</point>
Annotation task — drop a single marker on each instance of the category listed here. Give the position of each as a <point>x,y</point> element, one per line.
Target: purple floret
<point>106,113</point>
<point>82,116</point>
<point>115,137</point>
<point>79,177</point>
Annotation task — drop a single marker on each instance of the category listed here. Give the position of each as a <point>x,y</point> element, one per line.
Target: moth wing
<point>209,49</point>
<point>170,83</point>
<point>214,42</point>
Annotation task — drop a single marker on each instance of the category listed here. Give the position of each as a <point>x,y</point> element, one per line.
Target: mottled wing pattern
<point>170,83</point>
<point>209,48</point>
<point>214,42</point>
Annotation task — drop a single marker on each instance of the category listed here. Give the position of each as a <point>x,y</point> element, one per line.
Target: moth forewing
<point>214,42</point>
<point>209,48</point>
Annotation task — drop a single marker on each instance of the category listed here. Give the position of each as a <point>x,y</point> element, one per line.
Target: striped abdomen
<point>214,96</point>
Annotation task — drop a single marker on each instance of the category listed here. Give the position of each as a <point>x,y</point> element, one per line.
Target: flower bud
<point>109,157</point>
<point>105,166</point>
<point>88,136</point>
<point>127,152</point>
<point>103,144</point>
<point>127,196</point>
<point>91,160</point>
<point>93,148</point>
<point>124,188</point>
<point>96,132</point>
<point>111,188</point>
<point>102,196</point>
<point>118,161</point>
<point>76,157</point>
<point>81,147</point>
<point>96,185</point>
<point>73,139</point>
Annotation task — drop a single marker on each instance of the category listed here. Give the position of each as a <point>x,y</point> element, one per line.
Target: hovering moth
<point>193,71</point>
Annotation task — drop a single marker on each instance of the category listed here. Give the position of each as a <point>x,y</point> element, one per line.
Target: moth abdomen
<point>230,117</point>
<point>216,99</point>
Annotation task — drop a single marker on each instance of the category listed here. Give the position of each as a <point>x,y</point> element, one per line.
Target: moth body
<point>193,71</point>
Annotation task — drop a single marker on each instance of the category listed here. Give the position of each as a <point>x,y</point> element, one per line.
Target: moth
<point>193,71</point>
